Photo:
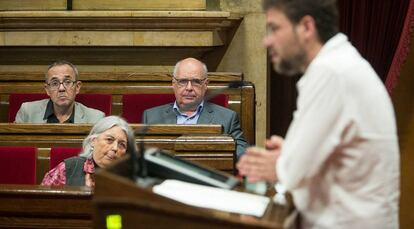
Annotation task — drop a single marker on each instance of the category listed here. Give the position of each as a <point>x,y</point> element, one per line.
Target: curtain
<point>374,27</point>
<point>402,49</point>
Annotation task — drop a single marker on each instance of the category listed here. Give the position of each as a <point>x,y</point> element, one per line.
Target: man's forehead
<point>190,73</point>
<point>60,76</point>
<point>274,15</point>
<point>60,72</point>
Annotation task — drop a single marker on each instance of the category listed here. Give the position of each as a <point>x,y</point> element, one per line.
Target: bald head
<point>190,63</point>
<point>189,84</point>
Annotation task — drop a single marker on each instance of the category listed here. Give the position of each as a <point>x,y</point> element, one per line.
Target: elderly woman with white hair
<point>109,139</point>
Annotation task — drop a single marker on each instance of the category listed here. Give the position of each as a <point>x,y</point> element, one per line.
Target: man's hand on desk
<point>260,164</point>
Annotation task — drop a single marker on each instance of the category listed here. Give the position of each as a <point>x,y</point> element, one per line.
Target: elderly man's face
<point>61,85</point>
<point>109,146</point>
<point>190,85</point>
<point>284,43</point>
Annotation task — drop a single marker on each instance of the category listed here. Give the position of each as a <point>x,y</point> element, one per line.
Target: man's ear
<point>78,86</point>
<point>47,89</point>
<point>307,28</point>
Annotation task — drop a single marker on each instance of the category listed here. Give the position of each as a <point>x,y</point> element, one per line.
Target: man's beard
<point>291,66</point>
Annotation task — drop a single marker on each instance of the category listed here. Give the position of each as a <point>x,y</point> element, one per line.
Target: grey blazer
<point>211,114</point>
<point>34,112</point>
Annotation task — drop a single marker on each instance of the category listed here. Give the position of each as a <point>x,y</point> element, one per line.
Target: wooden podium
<point>136,207</point>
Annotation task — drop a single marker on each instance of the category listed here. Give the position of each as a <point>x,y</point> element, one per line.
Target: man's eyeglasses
<point>55,84</point>
<point>194,82</point>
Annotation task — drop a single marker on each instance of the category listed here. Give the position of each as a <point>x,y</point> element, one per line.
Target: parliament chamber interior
<point>125,52</point>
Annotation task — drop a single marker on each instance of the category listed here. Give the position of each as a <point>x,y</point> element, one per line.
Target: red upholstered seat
<point>133,105</point>
<point>102,102</point>
<point>17,165</point>
<point>59,154</point>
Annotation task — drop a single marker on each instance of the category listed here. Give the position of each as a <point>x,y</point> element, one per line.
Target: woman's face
<point>109,146</point>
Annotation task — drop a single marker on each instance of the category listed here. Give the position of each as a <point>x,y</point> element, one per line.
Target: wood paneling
<point>33,5</point>
<point>139,5</point>
<point>32,206</point>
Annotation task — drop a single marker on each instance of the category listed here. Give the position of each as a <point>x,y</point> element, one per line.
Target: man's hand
<point>260,164</point>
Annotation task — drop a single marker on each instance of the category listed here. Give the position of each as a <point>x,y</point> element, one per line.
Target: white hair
<point>103,125</point>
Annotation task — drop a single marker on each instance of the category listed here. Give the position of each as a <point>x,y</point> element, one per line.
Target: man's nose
<point>189,86</point>
<point>61,87</point>
<point>266,41</point>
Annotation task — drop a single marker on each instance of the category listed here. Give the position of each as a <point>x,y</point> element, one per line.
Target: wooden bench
<point>33,206</point>
<point>201,143</point>
<point>241,100</point>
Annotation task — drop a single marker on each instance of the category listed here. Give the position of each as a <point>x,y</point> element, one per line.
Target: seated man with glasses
<point>190,86</point>
<point>62,85</point>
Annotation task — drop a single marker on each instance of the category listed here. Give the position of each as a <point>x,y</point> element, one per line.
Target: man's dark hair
<point>63,62</point>
<point>324,12</point>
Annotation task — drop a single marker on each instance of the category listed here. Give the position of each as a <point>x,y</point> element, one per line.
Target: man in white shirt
<point>340,157</point>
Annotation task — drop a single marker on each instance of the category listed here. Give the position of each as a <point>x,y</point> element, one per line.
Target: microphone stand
<point>140,174</point>
<point>138,166</point>
<point>232,85</point>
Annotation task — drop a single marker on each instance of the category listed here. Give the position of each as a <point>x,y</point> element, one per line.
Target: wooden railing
<point>33,206</point>
<point>204,144</point>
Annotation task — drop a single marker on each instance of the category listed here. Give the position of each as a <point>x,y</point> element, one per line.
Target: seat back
<point>59,154</point>
<point>17,165</point>
<point>102,102</point>
<point>134,105</point>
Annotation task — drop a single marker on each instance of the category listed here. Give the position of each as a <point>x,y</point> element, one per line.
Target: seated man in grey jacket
<point>62,85</point>
<point>190,85</point>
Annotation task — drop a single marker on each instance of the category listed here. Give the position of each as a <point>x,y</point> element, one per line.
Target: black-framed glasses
<point>55,84</point>
<point>194,82</point>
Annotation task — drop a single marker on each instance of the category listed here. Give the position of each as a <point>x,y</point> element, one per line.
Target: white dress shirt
<point>340,158</point>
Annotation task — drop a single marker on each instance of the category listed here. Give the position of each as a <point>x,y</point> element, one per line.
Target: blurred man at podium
<point>340,157</point>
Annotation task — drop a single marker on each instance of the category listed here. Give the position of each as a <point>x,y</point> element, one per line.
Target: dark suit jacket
<point>211,114</point>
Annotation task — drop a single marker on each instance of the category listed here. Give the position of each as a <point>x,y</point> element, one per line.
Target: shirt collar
<point>178,112</point>
<point>331,44</point>
<point>51,117</point>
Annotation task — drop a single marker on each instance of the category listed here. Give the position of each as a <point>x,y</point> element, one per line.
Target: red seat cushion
<point>102,102</point>
<point>134,105</point>
<point>16,100</point>
<point>59,154</point>
<point>18,165</point>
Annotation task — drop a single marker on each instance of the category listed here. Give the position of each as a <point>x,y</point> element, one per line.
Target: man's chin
<point>286,71</point>
<point>64,103</point>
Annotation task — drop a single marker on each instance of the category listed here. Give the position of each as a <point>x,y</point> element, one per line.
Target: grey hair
<point>103,125</point>
<point>63,62</point>
<point>177,66</point>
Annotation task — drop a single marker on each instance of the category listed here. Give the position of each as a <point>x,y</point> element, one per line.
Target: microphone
<point>138,165</point>
<point>143,171</point>
<point>232,85</point>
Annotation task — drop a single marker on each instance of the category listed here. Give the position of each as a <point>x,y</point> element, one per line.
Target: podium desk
<point>34,206</point>
<point>136,207</point>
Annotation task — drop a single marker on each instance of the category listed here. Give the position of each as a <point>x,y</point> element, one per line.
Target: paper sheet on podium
<point>215,198</point>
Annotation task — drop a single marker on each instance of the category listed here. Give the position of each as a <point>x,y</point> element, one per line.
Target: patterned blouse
<point>57,176</point>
